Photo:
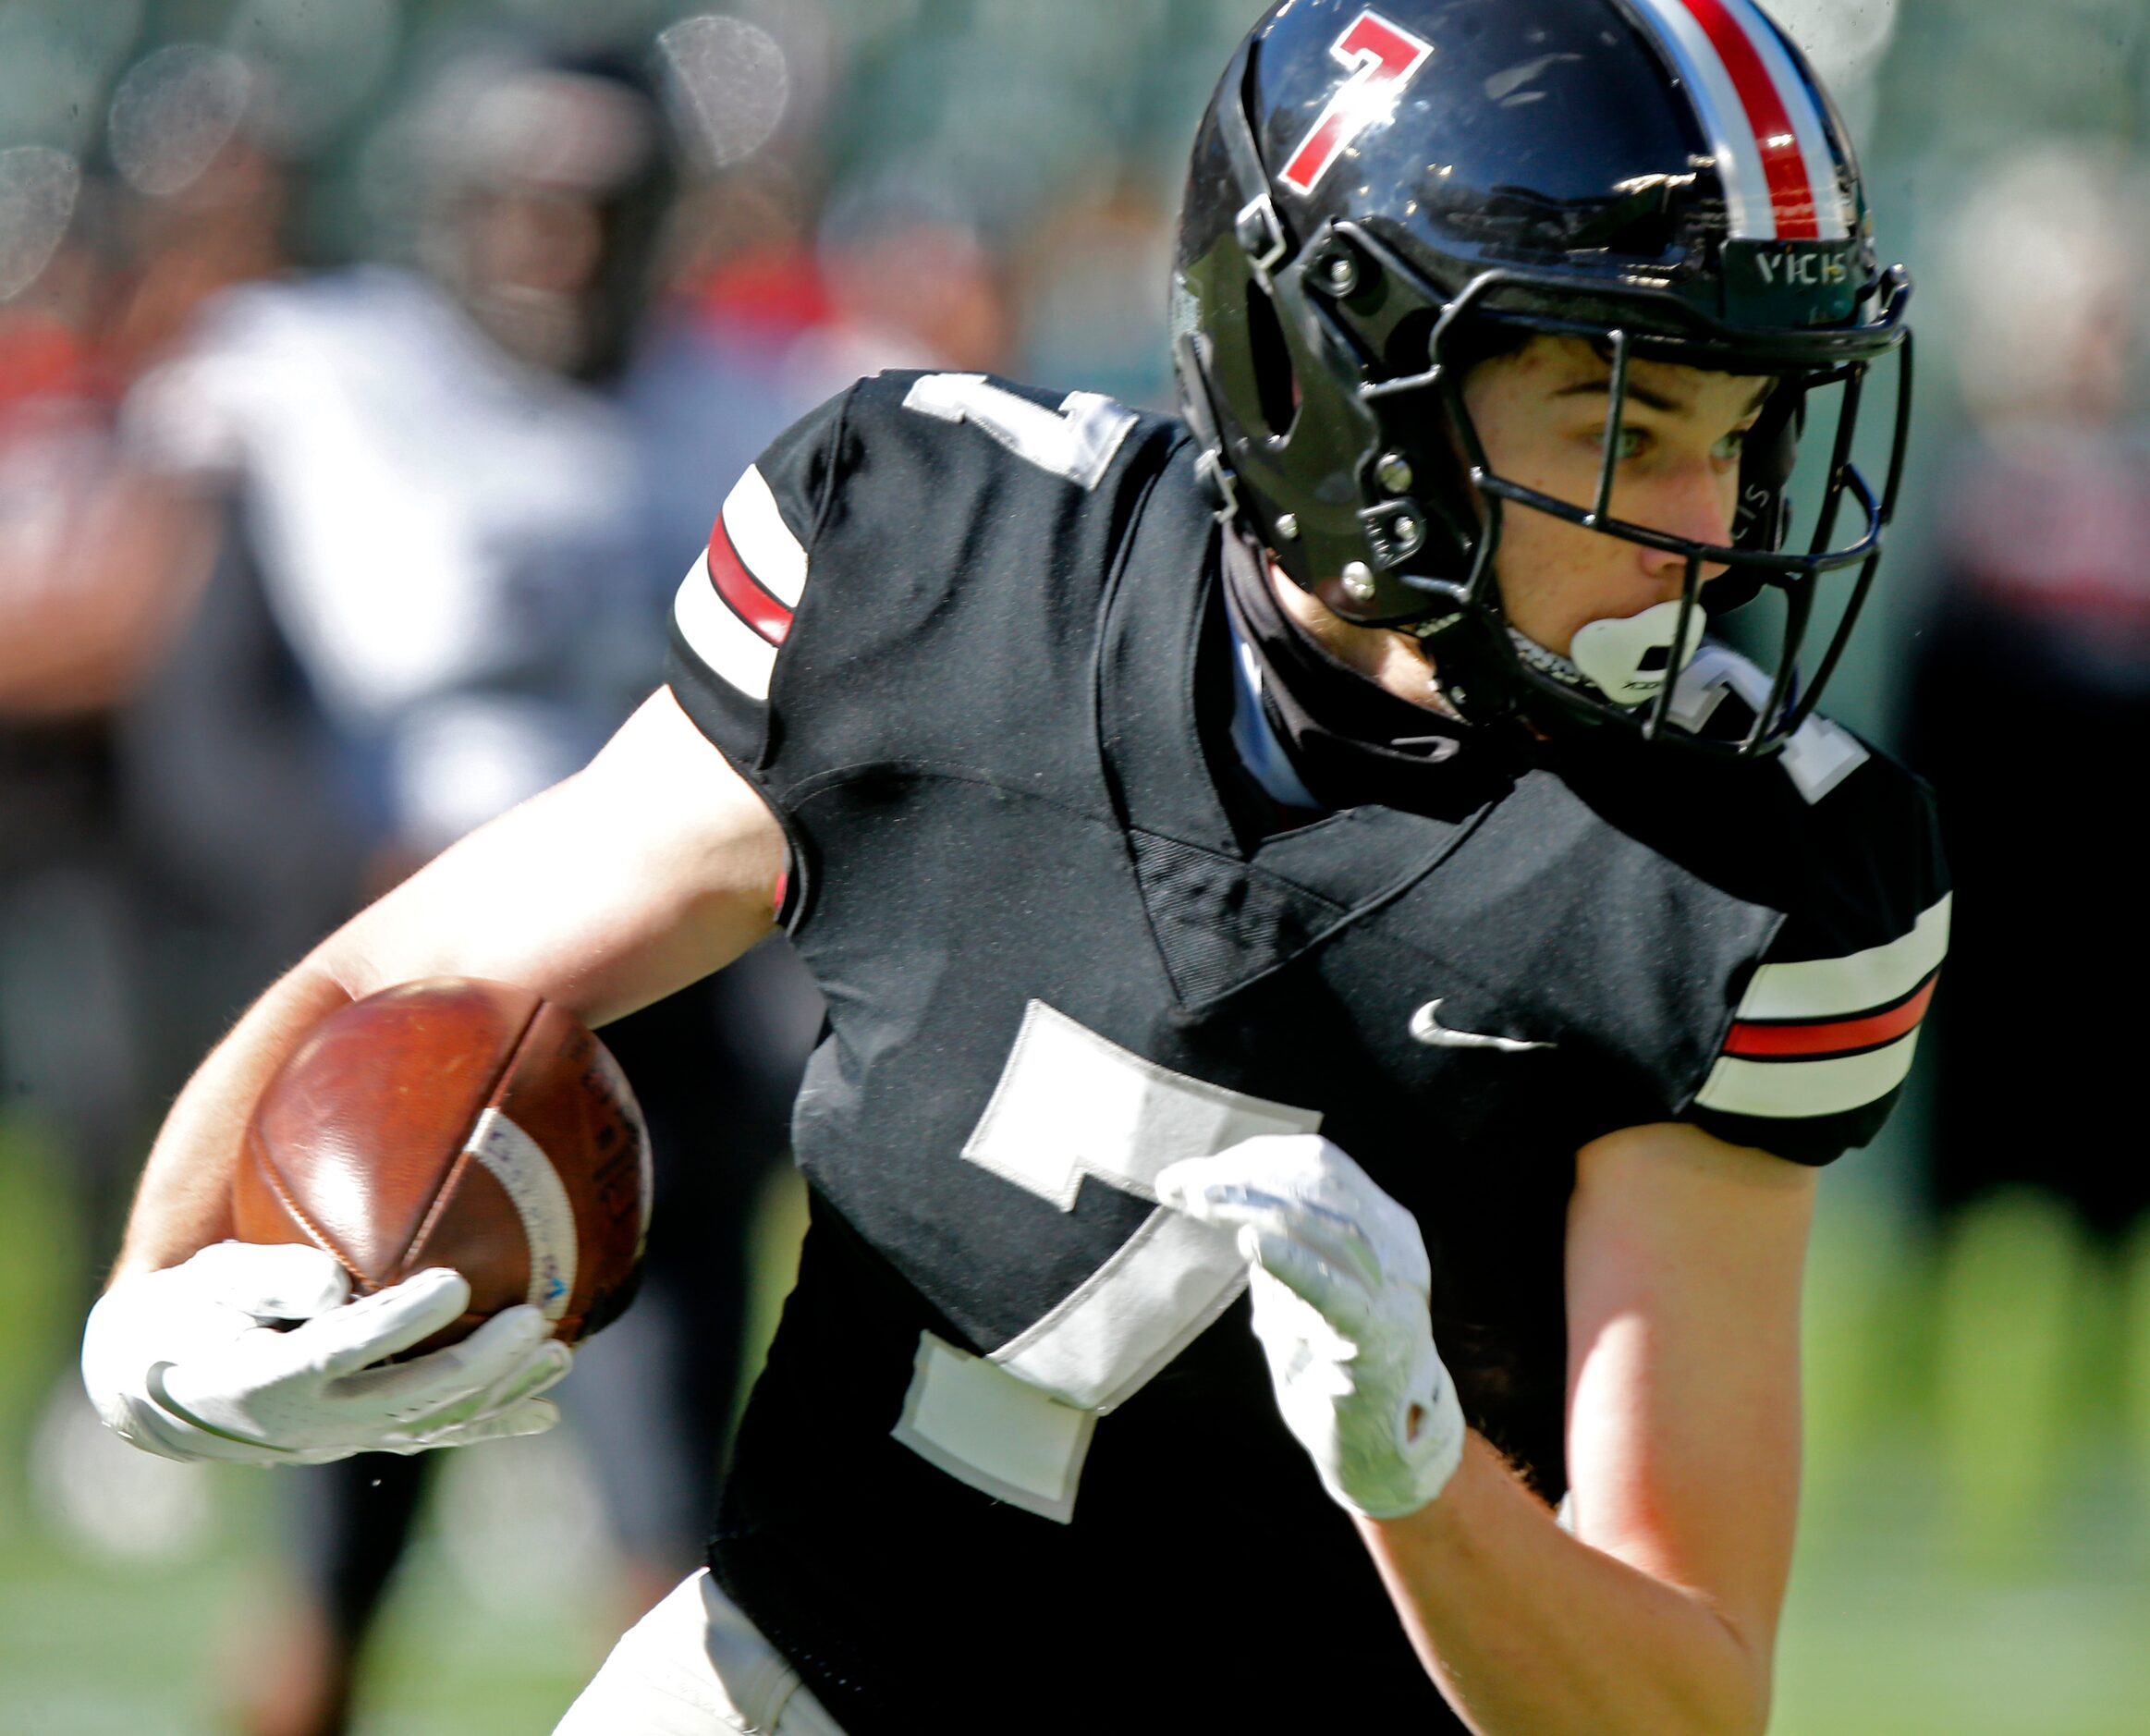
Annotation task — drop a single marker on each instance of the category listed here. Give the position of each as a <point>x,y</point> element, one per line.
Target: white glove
<point>195,1362</point>
<point>1339,1281</point>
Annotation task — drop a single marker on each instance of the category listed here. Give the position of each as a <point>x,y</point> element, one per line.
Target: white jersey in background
<point>446,536</point>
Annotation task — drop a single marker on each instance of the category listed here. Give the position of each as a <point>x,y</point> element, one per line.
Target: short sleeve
<point>734,609</point>
<point>1823,1036</point>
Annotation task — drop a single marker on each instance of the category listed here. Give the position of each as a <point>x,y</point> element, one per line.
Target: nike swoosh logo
<point>1426,1026</point>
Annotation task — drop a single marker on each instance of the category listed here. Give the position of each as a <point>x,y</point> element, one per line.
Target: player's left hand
<point>1340,1283</point>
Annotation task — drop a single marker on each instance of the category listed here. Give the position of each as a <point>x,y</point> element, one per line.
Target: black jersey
<point>1015,1463</point>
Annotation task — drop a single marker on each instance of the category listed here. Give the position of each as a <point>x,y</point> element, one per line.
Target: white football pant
<point>695,1665</point>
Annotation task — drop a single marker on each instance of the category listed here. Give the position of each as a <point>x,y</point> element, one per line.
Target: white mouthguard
<point>1627,660</point>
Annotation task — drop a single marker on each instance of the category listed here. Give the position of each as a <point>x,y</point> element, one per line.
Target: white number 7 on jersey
<point>1077,441</point>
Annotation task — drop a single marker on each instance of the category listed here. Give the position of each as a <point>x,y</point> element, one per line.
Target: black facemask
<point>1351,740</point>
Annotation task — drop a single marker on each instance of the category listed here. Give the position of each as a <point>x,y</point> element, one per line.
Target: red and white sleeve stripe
<point>735,605</point>
<point>1765,124</point>
<point>1826,1035</point>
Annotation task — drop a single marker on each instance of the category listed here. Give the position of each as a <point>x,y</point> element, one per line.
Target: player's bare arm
<point>1655,1610</point>
<point>1658,1614</point>
<point>652,867</point>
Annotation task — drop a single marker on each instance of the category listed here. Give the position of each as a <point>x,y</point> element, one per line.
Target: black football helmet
<point>1381,195</point>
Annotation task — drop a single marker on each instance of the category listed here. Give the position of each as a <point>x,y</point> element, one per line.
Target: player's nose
<point>1694,503</point>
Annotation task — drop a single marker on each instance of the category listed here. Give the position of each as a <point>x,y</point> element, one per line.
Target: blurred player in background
<point>2030,683</point>
<point>911,284</point>
<point>443,506</point>
<point>100,562</point>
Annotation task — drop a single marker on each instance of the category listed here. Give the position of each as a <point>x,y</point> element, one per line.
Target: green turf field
<point>1904,1620</point>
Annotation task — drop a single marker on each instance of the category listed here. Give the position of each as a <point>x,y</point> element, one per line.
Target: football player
<point>1310,851</point>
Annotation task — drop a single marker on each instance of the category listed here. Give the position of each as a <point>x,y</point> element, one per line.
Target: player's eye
<point>1731,445</point>
<point>1631,442</point>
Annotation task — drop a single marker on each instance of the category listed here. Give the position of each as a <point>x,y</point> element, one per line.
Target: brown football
<point>461,1123</point>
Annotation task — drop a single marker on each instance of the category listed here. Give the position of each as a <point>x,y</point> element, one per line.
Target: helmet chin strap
<point>1625,657</point>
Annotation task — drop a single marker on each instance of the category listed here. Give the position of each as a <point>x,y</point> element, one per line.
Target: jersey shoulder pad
<point>1823,1032</point>
<point>918,525</point>
<point>737,603</point>
<point>1720,694</point>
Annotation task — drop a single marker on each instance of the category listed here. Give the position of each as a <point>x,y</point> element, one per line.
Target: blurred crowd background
<point>370,372</point>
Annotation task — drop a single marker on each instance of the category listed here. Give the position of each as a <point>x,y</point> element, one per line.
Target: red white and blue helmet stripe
<point>1765,123</point>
